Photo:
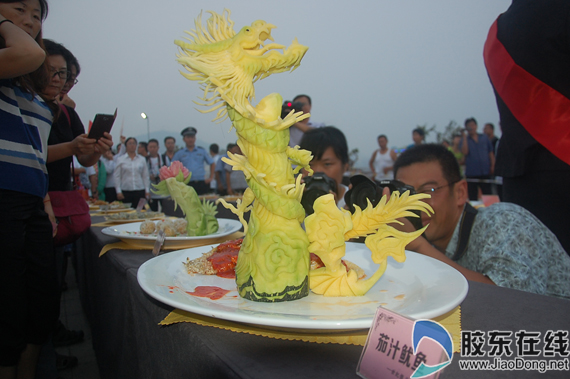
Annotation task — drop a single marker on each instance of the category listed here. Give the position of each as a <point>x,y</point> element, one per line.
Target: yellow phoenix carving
<point>329,227</point>
<point>227,64</point>
<point>273,263</point>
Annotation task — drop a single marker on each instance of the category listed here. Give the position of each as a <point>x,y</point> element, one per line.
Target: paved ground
<point>73,318</point>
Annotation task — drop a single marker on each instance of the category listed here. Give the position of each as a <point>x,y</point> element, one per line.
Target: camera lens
<point>309,198</point>
<point>363,189</point>
<point>316,186</point>
<point>364,194</point>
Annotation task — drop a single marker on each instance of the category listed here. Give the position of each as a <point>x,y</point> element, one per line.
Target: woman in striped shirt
<point>29,300</point>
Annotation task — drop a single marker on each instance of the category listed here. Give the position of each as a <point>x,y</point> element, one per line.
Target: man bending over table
<point>502,244</point>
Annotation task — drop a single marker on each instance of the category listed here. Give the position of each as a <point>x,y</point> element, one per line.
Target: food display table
<point>129,343</point>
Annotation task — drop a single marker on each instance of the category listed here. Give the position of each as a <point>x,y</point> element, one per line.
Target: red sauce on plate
<point>225,258</point>
<point>214,293</point>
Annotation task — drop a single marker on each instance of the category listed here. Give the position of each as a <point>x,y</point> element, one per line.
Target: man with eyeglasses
<point>502,244</point>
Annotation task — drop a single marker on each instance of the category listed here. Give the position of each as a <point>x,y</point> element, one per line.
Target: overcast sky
<point>373,67</point>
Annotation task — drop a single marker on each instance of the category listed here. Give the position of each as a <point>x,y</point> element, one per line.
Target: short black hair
<point>319,139</point>
<point>307,96</point>
<point>153,140</point>
<point>144,144</point>
<point>54,48</point>
<point>470,119</point>
<point>382,136</point>
<point>420,131</point>
<point>230,145</point>
<point>169,137</point>
<point>491,125</point>
<point>431,152</point>
<point>214,148</point>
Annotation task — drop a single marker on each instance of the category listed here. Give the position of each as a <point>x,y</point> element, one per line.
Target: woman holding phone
<point>68,128</point>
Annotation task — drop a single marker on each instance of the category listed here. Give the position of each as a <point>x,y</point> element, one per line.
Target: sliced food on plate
<point>222,259</point>
<point>122,216</point>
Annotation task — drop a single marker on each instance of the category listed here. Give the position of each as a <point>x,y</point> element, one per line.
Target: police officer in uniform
<point>193,158</point>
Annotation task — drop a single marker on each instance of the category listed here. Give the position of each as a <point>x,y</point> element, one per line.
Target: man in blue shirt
<point>193,158</point>
<point>502,244</point>
<point>479,160</point>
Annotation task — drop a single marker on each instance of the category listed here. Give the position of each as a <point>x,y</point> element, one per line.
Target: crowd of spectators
<point>520,243</point>
<point>211,175</point>
<point>128,170</point>
<point>474,153</point>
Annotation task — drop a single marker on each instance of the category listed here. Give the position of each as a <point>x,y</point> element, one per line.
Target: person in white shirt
<point>382,160</point>
<point>109,160</point>
<point>214,153</point>
<point>132,181</point>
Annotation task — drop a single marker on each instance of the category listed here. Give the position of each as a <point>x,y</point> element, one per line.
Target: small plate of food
<point>145,232</point>
<point>96,204</point>
<point>116,207</point>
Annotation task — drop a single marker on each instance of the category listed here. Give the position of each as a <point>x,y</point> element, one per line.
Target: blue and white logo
<point>434,331</point>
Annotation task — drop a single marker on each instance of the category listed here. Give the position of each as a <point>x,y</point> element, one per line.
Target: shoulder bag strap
<point>75,187</point>
<point>467,220</point>
<point>66,112</point>
<point>64,109</point>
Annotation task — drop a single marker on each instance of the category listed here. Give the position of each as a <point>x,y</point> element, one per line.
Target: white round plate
<point>131,233</point>
<point>421,287</point>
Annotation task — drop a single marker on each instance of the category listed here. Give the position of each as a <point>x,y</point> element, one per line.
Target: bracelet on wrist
<point>6,20</point>
<point>47,201</point>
